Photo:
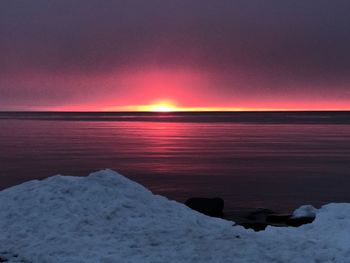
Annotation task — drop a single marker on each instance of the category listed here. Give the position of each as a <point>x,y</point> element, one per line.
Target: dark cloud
<point>275,42</point>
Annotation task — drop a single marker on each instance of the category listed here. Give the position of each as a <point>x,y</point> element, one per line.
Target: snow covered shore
<point>106,217</point>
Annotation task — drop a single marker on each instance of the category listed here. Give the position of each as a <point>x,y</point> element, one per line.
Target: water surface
<point>274,160</point>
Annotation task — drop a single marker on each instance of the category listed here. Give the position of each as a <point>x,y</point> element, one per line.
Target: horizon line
<point>176,111</point>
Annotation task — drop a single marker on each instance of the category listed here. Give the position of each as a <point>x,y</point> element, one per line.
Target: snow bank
<point>105,217</point>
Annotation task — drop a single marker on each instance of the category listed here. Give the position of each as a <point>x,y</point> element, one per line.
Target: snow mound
<point>305,211</point>
<point>105,217</point>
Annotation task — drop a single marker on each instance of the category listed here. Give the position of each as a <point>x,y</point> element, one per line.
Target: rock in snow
<point>105,217</point>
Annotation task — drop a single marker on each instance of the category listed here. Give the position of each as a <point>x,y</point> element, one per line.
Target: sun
<point>162,107</point>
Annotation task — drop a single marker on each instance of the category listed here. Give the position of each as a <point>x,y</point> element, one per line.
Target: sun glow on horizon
<point>159,106</point>
<point>170,106</point>
<point>163,106</point>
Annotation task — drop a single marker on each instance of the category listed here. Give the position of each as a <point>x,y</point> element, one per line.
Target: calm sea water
<point>274,160</point>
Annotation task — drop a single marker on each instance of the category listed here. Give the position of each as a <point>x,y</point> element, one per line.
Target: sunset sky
<point>190,55</point>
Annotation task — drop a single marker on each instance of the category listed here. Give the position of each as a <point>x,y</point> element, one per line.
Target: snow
<point>108,218</point>
<point>305,211</point>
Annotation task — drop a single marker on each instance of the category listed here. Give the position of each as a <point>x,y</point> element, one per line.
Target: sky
<point>195,54</point>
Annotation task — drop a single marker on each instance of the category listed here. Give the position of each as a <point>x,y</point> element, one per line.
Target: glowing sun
<point>161,107</point>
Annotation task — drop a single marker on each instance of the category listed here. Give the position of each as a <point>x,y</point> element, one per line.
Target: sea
<point>275,160</point>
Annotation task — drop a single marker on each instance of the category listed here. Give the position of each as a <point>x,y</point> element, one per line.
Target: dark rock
<point>208,206</point>
<point>278,218</point>
<point>259,219</point>
<point>299,221</point>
